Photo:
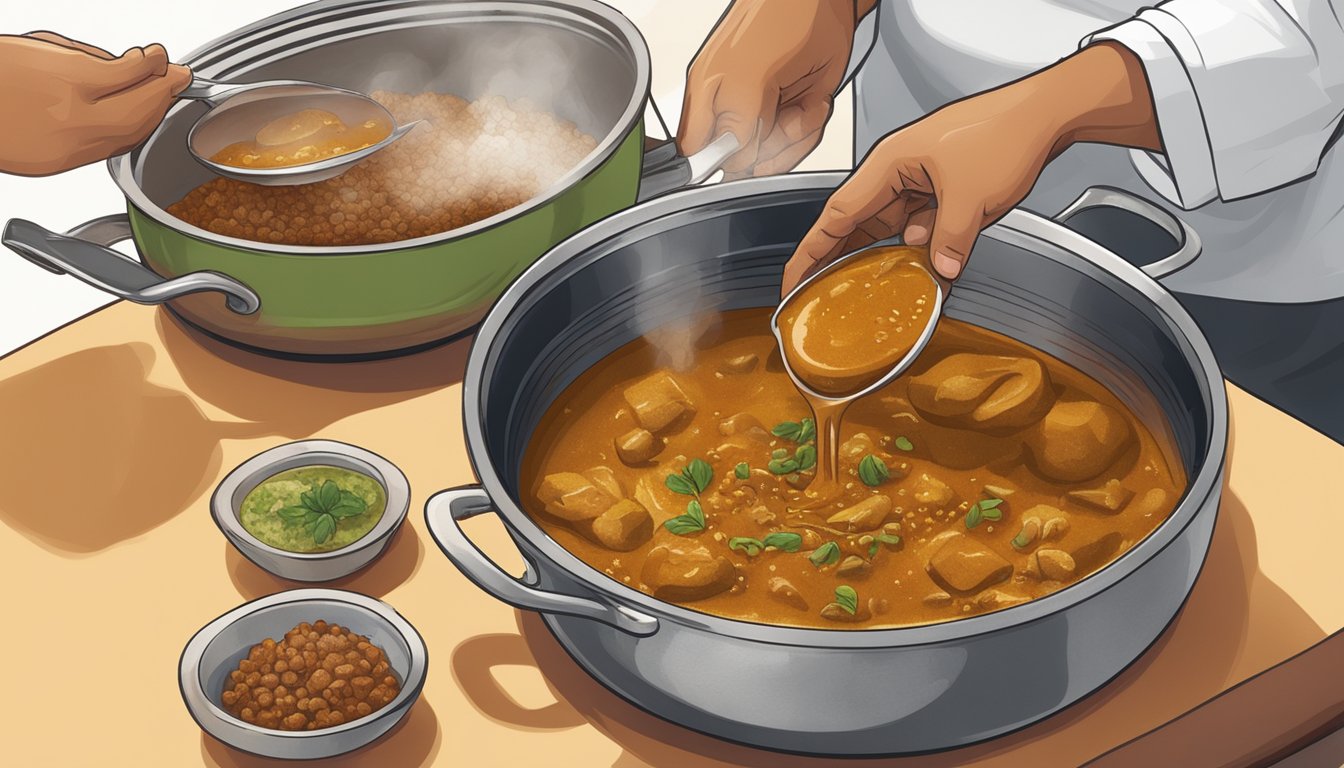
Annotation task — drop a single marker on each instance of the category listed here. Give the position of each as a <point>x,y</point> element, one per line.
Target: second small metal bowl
<point>227,501</point>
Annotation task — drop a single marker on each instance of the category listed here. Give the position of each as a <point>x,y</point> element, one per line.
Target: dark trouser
<point>1289,355</point>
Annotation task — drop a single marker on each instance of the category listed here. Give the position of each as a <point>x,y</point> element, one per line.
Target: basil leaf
<point>747,544</point>
<point>825,554</point>
<point>904,443</point>
<point>1021,540</point>
<point>683,525</point>
<point>847,598</point>
<point>328,495</point>
<point>808,431</point>
<point>782,466</point>
<point>680,484</point>
<point>293,514</point>
<point>742,471</point>
<point>806,456</point>
<point>700,473</point>
<point>991,514</point>
<point>872,550</point>
<point>779,453</point>
<point>888,538</point>
<point>326,525</point>
<point>873,471</point>
<point>310,501</point>
<point>344,509</point>
<point>973,516</point>
<point>696,513</point>
<point>789,430</point>
<point>789,542</point>
<point>990,503</point>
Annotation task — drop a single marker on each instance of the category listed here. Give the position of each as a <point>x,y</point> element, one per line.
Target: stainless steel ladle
<point>935,314</point>
<point>238,110</point>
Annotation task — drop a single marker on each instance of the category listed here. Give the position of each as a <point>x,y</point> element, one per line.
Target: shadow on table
<point>414,742</point>
<point>1236,623</point>
<point>298,399</point>
<point>94,454</point>
<point>394,567</point>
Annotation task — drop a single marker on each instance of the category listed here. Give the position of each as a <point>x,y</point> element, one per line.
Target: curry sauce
<point>987,475</point>
<point>303,137</point>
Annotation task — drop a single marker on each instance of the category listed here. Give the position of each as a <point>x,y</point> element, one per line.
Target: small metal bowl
<point>227,501</point>
<point>215,650</point>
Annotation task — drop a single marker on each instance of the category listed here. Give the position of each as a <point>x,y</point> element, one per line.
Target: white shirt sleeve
<point>1248,93</point>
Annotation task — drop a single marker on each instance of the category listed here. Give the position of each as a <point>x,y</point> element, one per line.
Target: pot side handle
<point>1188,246</point>
<point>666,170</point>
<point>445,509</point>
<point>83,253</point>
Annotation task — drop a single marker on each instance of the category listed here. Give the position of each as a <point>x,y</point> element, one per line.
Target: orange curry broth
<point>1080,479</point>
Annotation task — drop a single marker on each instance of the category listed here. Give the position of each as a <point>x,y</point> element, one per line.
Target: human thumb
<point>955,227</point>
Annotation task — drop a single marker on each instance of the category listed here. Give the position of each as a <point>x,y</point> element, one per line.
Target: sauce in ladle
<point>302,137</point>
<point>847,329</point>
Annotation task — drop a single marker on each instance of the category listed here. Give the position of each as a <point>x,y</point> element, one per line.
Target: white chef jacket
<point>1248,95</point>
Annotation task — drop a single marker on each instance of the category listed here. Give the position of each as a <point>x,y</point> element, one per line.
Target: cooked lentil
<point>467,162</point>
<point>319,675</point>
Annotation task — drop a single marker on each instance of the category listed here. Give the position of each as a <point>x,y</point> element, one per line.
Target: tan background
<point>119,427</point>
<point>116,430</point>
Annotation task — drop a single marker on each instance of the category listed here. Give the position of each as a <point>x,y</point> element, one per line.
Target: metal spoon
<point>238,110</point>
<point>901,366</point>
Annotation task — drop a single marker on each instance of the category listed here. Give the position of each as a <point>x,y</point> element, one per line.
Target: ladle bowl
<point>238,110</point>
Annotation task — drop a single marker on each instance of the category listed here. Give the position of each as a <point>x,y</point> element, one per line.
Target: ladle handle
<point>83,253</point>
<point>213,92</point>
<point>667,170</point>
<point>443,512</point>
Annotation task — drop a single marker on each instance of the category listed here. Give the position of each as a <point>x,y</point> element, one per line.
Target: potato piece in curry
<point>988,475</point>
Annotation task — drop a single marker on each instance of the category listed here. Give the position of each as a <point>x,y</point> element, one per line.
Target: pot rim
<point>1018,227</point>
<point>214,60</point>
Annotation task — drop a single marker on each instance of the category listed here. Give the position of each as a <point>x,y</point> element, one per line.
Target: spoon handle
<point>213,92</point>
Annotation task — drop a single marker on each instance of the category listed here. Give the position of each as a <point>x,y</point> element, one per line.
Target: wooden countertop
<point>117,428</point>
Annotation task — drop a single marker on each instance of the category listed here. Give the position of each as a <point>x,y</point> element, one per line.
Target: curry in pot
<point>986,476</point>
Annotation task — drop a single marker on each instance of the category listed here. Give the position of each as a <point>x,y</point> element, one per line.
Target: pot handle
<point>666,170</point>
<point>83,253</point>
<point>1188,244</point>
<point>442,513</point>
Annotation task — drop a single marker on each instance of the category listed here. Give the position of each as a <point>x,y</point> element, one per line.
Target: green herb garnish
<point>904,443</point>
<point>788,542</point>
<point>782,466</point>
<point>320,509</point>
<point>879,540</point>
<point>747,544</point>
<point>825,554</point>
<point>847,598</point>
<point>691,522</point>
<point>1021,540</point>
<point>693,480</point>
<point>806,456</point>
<point>797,431</point>
<point>742,471</point>
<point>873,471</point>
<point>986,509</point>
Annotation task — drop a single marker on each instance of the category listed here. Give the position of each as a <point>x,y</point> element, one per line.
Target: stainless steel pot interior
<point>577,59</point>
<point>722,248</point>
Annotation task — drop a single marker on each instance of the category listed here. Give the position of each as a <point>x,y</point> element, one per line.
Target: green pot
<point>578,59</point>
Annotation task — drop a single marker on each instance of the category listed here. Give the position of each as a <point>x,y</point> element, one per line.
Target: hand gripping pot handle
<point>447,508</point>
<point>83,252</point>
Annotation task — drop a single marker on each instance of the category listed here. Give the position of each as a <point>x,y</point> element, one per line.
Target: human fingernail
<point>946,265</point>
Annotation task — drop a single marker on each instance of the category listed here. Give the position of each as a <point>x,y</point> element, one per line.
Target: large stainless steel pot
<point>578,59</point>
<point>833,691</point>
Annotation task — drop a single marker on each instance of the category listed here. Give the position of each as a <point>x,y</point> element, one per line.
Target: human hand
<point>69,103</point>
<point>768,74</point>
<point>941,180</point>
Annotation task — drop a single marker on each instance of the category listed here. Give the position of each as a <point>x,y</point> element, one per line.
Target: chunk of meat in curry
<point>1000,475</point>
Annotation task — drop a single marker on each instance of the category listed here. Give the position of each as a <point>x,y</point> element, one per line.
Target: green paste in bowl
<point>313,509</point>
